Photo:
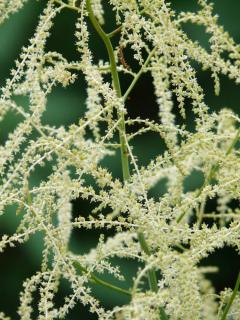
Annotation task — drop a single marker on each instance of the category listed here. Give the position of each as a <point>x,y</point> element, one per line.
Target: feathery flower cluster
<point>167,235</point>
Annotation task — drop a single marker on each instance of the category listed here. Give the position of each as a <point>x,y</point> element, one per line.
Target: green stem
<point>117,87</point>
<point>233,296</point>
<point>111,286</point>
<point>138,75</point>
<point>234,142</point>
<point>114,32</point>
<point>65,5</point>
<point>152,279</point>
<point>122,130</point>
<point>101,282</point>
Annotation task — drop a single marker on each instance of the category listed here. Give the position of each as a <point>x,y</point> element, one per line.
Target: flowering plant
<point>167,236</point>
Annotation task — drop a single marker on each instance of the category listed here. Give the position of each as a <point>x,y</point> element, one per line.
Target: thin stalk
<point>117,87</point>
<point>122,133</point>
<point>233,296</point>
<point>110,286</point>
<point>138,75</point>
<point>114,32</point>
<point>65,5</point>
<point>234,142</point>
<point>152,279</point>
<point>101,282</point>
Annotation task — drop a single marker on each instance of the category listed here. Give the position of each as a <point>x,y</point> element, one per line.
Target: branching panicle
<point>166,235</point>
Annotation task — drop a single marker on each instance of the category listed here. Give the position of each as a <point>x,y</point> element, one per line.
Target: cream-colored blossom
<point>174,245</point>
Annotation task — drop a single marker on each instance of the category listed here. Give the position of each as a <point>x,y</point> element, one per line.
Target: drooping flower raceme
<point>167,235</point>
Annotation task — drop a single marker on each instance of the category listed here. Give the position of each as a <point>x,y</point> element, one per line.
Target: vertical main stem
<point>152,279</point>
<point>117,87</point>
<point>233,296</point>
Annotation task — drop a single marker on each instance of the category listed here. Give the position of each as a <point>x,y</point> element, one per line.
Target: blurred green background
<point>66,106</point>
